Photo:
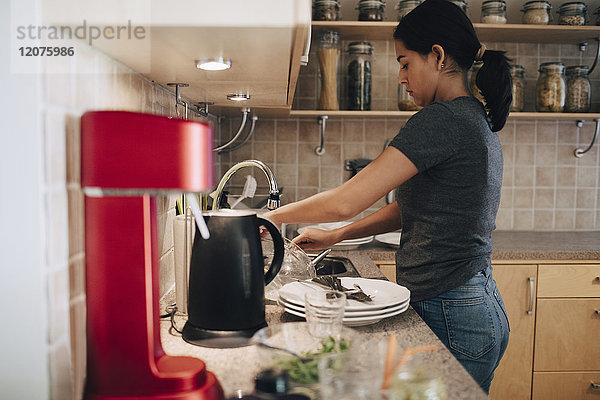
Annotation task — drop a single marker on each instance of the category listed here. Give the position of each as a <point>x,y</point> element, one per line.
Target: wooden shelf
<point>360,30</point>
<point>408,114</point>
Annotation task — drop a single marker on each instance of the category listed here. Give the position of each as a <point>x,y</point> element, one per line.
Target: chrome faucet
<point>272,202</point>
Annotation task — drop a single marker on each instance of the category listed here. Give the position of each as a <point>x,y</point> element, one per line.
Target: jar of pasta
<point>326,10</point>
<point>405,6</point>
<point>572,13</point>
<point>536,13</point>
<point>579,93</point>
<point>550,90</point>
<point>493,12</point>
<point>371,10</point>
<point>405,100</point>
<point>473,82</point>
<point>329,54</point>
<point>359,76</point>
<point>518,84</point>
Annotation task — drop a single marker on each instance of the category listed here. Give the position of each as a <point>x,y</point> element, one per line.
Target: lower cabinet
<point>388,269</point>
<point>554,347</point>
<point>517,285</point>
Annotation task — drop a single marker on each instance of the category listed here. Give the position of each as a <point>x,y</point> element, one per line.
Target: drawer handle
<point>531,294</point>
<point>597,312</point>
<point>595,386</point>
<point>597,278</point>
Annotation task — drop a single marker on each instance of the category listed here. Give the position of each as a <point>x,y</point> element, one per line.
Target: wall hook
<point>320,149</point>
<point>178,100</point>
<point>578,152</point>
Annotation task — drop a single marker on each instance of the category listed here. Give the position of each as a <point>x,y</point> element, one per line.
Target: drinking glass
<point>325,312</point>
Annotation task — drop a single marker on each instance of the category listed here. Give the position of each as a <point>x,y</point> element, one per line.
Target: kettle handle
<point>277,247</point>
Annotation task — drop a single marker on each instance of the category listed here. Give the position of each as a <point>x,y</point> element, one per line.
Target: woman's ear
<point>440,55</point>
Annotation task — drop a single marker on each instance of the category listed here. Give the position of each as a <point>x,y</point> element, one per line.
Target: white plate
<point>384,293</point>
<point>358,321</point>
<point>391,238</point>
<point>347,314</point>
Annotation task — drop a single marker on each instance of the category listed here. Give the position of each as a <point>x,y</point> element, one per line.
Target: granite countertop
<point>522,245</point>
<point>236,368</point>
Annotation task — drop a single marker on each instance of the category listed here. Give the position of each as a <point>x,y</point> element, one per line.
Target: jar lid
<point>329,36</point>
<point>552,66</point>
<point>532,5</point>
<point>407,4</point>
<point>577,68</point>
<point>360,48</point>
<point>491,5</point>
<point>366,4</point>
<point>572,6</point>
<point>517,67</point>
<point>335,3</point>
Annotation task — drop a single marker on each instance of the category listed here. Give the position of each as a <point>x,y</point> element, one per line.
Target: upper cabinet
<point>263,39</point>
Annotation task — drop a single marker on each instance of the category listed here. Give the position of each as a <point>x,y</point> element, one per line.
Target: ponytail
<point>495,83</point>
<point>442,22</point>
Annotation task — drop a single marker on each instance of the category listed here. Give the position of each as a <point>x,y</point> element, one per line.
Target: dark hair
<point>444,23</point>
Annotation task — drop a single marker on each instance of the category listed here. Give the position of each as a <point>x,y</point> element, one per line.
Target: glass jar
<point>572,13</point>
<point>550,89</point>
<point>329,54</point>
<point>473,82</point>
<point>461,3</point>
<point>405,100</point>
<point>493,12</point>
<point>579,90</point>
<point>371,10</point>
<point>597,14</point>
<point>536,13</point>
<point>359,76</point>
<point>405,6</point>
<point>518,85</point>
<point>326,10</point>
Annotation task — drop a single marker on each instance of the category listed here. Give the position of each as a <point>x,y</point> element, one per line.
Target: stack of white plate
<point>388,300</point>
<point>344,244</point>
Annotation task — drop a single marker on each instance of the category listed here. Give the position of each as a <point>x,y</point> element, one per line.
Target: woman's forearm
<point>386,219</point>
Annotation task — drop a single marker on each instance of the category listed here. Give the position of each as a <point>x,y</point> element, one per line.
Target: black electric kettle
<point>227,279</point>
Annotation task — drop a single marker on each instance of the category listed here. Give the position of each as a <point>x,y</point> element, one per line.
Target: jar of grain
<point>326,10</point>
<point>493,12</point>
<point>359,76</point>
<point>405,6</point>
<point>518,84</point>
<point>536,13</point>
<point>329,54</point>
<point>405,100</point>
<point>461,3</point>
<point>371,10</point>
<point>473,82</point>
<point>550,88</point>
<point>579,93</point>
<point>572,13</point>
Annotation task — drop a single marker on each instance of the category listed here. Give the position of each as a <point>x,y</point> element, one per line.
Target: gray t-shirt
<point>449,207</point>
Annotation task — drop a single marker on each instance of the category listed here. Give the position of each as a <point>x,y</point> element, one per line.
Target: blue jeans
<point>471,321</point>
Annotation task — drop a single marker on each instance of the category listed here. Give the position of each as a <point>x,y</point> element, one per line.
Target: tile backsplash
<point>545,187</point>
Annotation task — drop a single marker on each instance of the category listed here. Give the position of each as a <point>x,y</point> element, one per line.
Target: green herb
<point>306,370</point>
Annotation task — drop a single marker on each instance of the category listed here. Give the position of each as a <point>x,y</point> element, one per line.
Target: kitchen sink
<point>339,266</point>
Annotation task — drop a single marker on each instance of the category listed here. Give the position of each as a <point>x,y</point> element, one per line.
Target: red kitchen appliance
<point>126,159</point>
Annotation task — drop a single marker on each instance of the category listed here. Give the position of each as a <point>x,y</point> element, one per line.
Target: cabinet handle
<point>531,294</point>
<point>597,278</point>
<point>595,386</point>
<point>597,312</point>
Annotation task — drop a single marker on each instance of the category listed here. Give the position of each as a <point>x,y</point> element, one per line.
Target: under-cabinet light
<point>213,64</point>
<point>238,97</point>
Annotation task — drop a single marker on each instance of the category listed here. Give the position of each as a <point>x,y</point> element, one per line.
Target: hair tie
<point>480,52</point>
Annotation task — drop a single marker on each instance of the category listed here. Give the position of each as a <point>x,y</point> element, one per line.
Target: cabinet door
<point>512,379</point>
<point>567,335</point>
<point>566,385</point>
<point>388,268</point>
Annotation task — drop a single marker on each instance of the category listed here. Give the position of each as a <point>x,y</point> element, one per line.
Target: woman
<point>447,164</point>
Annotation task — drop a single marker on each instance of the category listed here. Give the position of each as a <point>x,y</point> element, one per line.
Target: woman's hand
<point>316,239</point>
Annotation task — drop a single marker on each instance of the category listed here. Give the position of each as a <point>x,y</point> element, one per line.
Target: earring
<point>442,65</point>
